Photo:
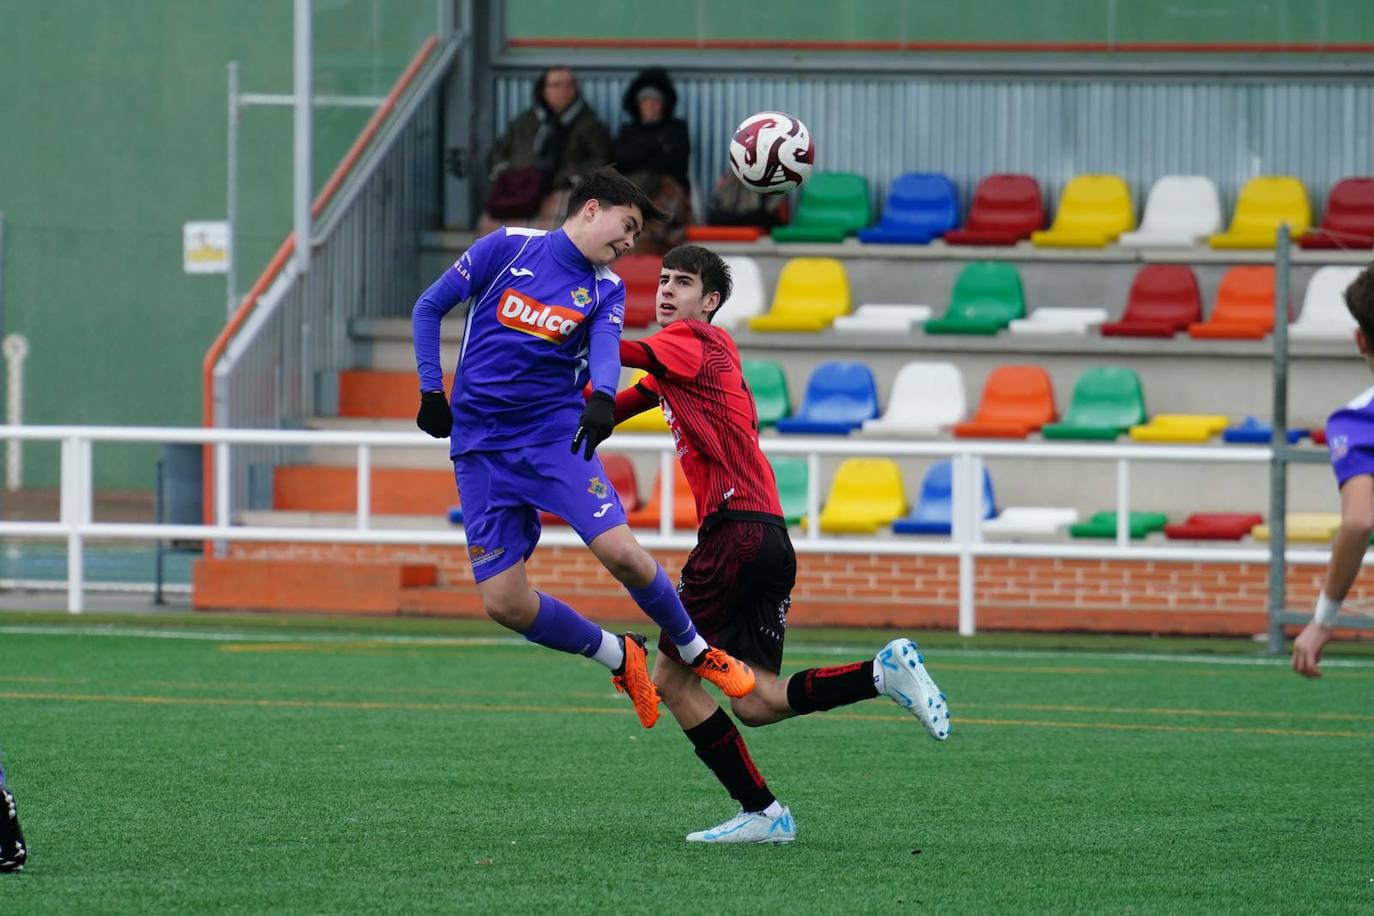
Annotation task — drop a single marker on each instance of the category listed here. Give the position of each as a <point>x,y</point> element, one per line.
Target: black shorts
<point>737,587</point>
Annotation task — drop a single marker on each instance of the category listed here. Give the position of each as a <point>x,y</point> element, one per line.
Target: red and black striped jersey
<point>695,375</point>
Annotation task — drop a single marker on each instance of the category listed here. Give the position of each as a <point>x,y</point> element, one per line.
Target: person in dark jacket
<point>652,150</point>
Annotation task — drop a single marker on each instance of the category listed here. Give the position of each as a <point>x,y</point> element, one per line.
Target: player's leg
<point>13,851</point>
<point>501,535</point>
<point>719,745</point>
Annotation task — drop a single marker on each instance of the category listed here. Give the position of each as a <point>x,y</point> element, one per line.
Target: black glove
<point>435,417</point>
<point>598,419</point>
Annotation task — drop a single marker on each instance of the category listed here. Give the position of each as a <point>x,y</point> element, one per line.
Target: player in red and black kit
<point>737,581</point>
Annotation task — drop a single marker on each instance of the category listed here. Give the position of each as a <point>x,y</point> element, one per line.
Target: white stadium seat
<point>1180,211</point>
<point>747,298</point>
<point>882,319</point>
<point>1030,521</point>
<point>1324,315</point>
<point>1058,321</point>
<point>926,399</point>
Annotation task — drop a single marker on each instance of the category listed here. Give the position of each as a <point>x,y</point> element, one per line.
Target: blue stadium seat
<point>455,515</point>
<point>840,396</point>
<point>1254,431</point>
<point>921,206</point>
<point>934,512</point>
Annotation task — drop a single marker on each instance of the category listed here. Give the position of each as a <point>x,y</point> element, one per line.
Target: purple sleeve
<point>603,358</point>
<point>468,274</point>
<point>1350,440</point>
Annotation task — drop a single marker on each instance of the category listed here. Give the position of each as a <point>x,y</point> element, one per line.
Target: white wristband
<point>1326,612</point>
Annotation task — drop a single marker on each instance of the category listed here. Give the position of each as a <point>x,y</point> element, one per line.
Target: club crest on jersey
<point>581,298</point>
<point>597,487</point>
<point>528,316</point>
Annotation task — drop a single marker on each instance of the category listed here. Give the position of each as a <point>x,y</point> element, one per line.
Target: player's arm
<point>674,352</point>
<point>633,401</point>
<point>1347,553</point>
<point>603,366</point>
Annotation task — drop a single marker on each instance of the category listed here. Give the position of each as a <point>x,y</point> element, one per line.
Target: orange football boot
<point>732,676</point>
<point>634,679</point>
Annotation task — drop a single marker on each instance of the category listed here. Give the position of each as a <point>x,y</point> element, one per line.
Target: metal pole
<point>1278,465</point>
<point>962,523</point>
<point>301,187</point>
<point>1123,503</point>
<point>364,487</point>
<point>231,191</point>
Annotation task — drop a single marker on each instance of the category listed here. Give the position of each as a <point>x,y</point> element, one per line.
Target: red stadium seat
<point>1006,209</point>
<point>725,233</point>
<point>1348,220</point>
<point>1163,300</point>
<point>1213,526</point>
<point>639,273</point>
<point>621,471</point>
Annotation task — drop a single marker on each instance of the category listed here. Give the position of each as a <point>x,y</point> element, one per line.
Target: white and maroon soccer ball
<point>772,152</point>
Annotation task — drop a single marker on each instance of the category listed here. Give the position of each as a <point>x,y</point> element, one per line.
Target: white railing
<point>76,524</point>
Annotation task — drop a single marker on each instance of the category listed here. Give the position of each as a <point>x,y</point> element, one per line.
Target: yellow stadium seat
<point>650,421</point>
<point>1093,211</point>
<point>865,495</point>
<point>1315,527</point>
<point>811,293</point>
<point>1264,203</point>
<point>1180,427</point>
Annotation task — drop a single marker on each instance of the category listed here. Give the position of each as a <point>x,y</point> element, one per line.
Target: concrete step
<point>306,585</point>
<point>280,518</point>
<point>395,491</point>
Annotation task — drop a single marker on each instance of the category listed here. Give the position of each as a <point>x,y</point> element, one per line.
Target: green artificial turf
<point>240,764</point>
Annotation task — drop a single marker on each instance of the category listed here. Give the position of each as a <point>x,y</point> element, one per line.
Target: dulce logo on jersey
<point>548,322</point>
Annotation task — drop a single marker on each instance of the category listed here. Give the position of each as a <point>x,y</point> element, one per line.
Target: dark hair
<point>544,78</point>
<point>1359,298</point>
<point>705,263</point>
<point>612,189</point>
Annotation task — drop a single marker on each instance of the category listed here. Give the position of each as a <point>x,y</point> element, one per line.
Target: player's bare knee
<point>752,711</point>
<point>513,615</point>
<point>630,564</point>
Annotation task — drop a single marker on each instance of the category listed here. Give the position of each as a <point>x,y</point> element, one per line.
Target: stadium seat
<point>840,396</point>
<point>650,421</point>
<point>768,384</point>
<point>811,293</point>
<point>921,206</point>
<point>1163,300</point>
<point>1318,436</point>
<point>987,297</point>
<point>790,474</point>
<point>1311,527</point>
<point>1244,309</point>
<point>1005,209</point>
<point>620,474</point>
<point>1093,211</point>
<point>1348,220</point>
<point>882,319</point>
<point>639,273</point>
<point>1324,314</point>
<point>1264,203</point>
<point>934,512</point>
<point>926,399</point>
<point>706,233</point>
<point>1179,427</point>
<point>1181,211</point>
<point>1107,401</point>
<point>865,495</point>
<point>832,206</point>
<point>747,297</point>
<point>1213,526</point>
<point>1254,431</point>
<point>1029,521</point>
<point>455,515</point>
<point>1068,321</point>
<point>1103,525</point>
<point>649,513</point>
<point>1017,400</point>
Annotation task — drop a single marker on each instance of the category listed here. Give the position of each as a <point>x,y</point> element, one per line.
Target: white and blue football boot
<point>900,673</point>
<point>747,827</point>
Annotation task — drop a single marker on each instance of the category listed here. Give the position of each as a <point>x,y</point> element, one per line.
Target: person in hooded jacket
<point>652,149</point>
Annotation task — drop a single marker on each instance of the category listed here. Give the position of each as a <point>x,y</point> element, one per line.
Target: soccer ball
<point>771,152</point>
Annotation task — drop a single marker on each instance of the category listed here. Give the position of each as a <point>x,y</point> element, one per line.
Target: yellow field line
<point>372,705</point>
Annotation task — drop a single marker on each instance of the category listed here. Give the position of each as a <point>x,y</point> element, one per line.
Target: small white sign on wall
<point>205,247</point>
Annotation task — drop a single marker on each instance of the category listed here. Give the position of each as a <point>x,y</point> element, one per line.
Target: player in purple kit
<point>546,314</point>
<point>1350,439</point>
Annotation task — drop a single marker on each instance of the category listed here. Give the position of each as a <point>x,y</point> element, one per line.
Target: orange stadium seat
<point>1244,308</point>
<point>1017,400</point>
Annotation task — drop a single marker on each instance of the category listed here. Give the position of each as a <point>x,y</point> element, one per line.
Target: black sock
<point>721,747</point>
<point>819,689</point>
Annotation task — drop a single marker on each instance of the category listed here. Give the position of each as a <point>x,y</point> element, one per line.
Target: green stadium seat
<point>987,297</point>
<point>768,384</point>
<point>1103,525</point>
<point>790,473</point>
<point>1106,402</point>
<point>832,206</point>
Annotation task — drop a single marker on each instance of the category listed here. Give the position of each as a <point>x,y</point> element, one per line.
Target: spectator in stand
<point>652,150</point>
<point>542,153</point>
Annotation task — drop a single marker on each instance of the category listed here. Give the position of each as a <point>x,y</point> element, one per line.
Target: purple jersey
<point>543,319</point>
<point>1350,438</point>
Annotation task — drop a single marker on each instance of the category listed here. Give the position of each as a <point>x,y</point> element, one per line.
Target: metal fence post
<point>1278,464</point>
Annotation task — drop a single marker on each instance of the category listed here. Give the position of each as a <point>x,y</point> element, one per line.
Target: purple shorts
<point>503,492</point>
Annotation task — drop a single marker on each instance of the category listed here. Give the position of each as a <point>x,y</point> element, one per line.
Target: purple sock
<point>560,627</point>
<point>659,600</point>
